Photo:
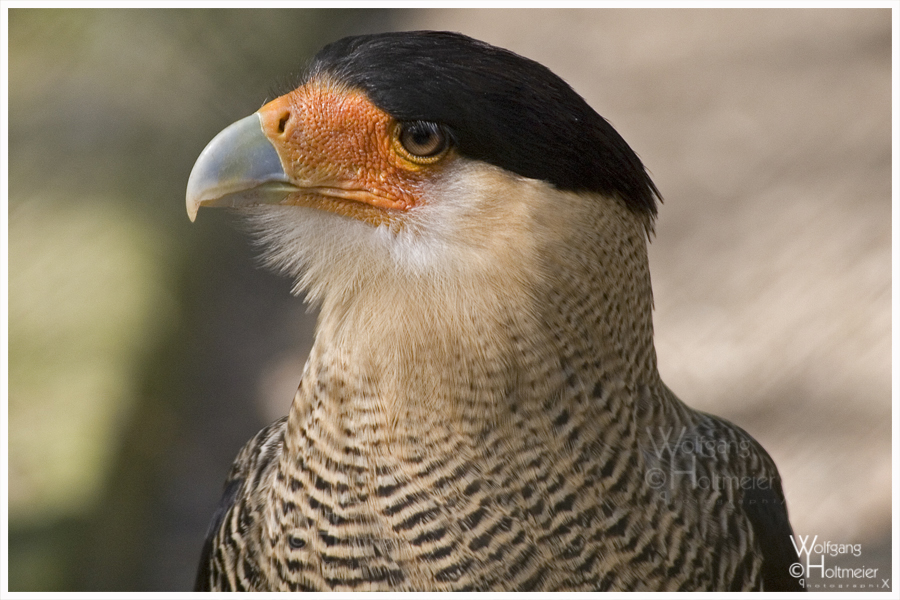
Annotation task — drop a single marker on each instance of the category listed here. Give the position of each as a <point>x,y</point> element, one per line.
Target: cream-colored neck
<point>413,349</point>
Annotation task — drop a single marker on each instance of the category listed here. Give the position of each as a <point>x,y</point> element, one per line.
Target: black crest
<point>499,107</point>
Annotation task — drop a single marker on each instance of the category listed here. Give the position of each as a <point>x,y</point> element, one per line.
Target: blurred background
<point>144,350</point>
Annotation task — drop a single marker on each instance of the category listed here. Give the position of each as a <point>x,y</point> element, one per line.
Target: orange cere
<point>338,148</point>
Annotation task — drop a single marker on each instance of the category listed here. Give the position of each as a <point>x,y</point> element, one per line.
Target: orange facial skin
<point>342,152</point>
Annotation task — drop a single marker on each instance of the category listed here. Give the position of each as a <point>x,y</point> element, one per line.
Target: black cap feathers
<point>499,107</point>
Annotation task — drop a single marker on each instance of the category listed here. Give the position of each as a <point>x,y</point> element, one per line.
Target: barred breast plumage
<point>481,409</point>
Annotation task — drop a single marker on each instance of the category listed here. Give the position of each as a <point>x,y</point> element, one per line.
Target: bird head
<point>430,160</point>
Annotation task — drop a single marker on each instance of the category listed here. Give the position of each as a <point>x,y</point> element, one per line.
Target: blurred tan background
<point>144,351</point>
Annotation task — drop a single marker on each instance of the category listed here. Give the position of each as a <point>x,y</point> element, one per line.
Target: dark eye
<point>423,139</point>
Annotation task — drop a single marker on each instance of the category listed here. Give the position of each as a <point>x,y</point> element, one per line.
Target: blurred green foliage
<point>89,297</point>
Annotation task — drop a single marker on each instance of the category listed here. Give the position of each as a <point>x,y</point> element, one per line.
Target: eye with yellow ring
<point>421,141</point>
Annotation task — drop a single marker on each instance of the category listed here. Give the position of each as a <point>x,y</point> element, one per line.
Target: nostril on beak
<point>282,122</point>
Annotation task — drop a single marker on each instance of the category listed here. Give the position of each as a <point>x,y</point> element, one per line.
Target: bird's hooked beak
<point>239,167</point>
<point>320,147</point>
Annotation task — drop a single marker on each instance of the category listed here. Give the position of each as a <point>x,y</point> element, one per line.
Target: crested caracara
<point>481,408</point>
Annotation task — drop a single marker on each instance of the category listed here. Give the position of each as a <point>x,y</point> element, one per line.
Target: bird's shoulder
<point>247,474</point>
<point>257,455</point>
<point>758,497</point>
<point>710,470</point>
